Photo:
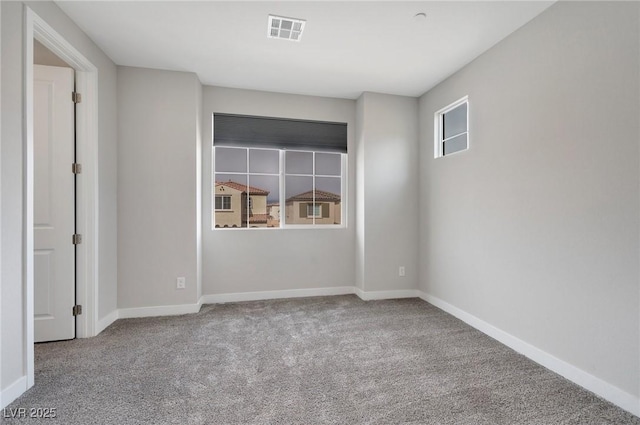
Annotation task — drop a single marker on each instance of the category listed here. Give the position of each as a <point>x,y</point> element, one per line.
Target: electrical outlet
<point>181,283</point>
<point>401,271</point>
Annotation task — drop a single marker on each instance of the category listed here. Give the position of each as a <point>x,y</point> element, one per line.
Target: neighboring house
<point>301,209</point>
<point>273,214</point>
<point>232,209</point>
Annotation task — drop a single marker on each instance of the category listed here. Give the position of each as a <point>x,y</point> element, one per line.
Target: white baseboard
<point>163,310</point>
<point>13,391</point>
<point>128,313</point>
<point>594,384</point>
<point>107,320</point>
<point>387,295</point>
<point>172,310</point>
<point>269,295</point>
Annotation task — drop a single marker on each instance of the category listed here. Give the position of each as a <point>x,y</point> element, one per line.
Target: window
<point>451,126</point>
<point>311,177</point>
<point>250,178</point>
<point>223,202</point>
<point>278,173</point>
<point>314,210</point>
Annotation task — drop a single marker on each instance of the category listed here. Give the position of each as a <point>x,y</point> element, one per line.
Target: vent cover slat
<point>285,28</point>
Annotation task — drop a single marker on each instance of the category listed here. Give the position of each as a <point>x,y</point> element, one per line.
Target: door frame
<point>86,183</point>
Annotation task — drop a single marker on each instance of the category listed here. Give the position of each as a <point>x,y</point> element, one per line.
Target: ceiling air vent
<point>285,28</point>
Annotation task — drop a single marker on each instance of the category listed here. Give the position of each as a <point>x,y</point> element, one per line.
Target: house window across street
<point>314,210</point>
<point>223,202</point>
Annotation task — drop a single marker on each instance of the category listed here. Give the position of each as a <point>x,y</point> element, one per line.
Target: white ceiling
<point>348,47</point>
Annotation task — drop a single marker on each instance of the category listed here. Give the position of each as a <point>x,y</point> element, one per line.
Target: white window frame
<point>282,196</point>
<point>438,128</point>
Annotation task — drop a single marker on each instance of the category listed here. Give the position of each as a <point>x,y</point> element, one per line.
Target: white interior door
<point>54,204</point>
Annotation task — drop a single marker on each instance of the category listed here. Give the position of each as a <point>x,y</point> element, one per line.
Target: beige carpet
<point>323,360</point>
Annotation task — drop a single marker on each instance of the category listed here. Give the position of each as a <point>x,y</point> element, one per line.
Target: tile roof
<point>258,218</point>
<point>243,188</point>
<point>321,195</point>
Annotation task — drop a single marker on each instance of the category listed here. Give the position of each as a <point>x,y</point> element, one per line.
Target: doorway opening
<point>86,211</point>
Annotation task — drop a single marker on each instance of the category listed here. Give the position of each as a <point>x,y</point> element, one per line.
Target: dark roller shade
<point>279,133</point>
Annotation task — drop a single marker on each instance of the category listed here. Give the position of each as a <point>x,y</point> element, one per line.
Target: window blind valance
<point>278,133</point>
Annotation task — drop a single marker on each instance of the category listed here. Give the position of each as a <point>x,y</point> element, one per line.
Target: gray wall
<point>387,197</point>
<point>199,190</point>
<point>157,186</point>
<point>12,355</point>
<point>360,212</point>
<point>263,260</point>
<point>534,229</point>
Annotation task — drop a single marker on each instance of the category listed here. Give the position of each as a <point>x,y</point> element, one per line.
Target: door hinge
<point>77,239</point>
<point>76,168</point>
<point>77,310</point>
<point>76,97</point>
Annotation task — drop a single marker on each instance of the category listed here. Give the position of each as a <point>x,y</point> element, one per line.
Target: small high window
<point>451,126</point>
